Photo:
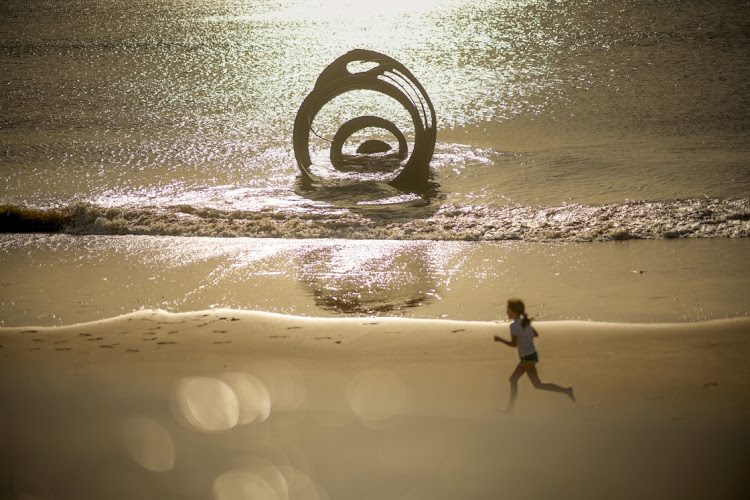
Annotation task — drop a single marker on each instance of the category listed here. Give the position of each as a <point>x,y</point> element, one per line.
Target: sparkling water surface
<point>539,103</point>
<point>558,122</point>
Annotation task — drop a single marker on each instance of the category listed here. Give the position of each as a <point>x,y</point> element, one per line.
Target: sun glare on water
<point>300,10</point>
<point>360,9</point>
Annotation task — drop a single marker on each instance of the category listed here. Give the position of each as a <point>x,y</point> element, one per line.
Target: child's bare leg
<point>548,386</point>
<point>517,373</point>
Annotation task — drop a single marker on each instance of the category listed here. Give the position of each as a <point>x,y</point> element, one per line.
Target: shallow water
<point>628,119</point>
<point>62,280</point>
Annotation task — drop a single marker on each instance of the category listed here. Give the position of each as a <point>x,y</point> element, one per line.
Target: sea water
<point>573,120</point>
<point>557,121</point>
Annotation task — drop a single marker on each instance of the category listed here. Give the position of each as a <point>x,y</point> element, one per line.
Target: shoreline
<point>60,279</point>
<point>278,317</point>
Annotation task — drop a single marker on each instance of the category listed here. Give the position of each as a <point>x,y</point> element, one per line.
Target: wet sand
<point>48,280</point>
<point>224,404</point>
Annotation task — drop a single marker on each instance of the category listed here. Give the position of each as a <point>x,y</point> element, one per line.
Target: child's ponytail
<point>526,321</point>
<point>518,307</point>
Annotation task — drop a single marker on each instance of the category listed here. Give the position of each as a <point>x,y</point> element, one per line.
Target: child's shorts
<point>530,358</point>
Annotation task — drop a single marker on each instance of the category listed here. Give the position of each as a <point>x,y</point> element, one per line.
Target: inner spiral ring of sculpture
<point>388,77</point>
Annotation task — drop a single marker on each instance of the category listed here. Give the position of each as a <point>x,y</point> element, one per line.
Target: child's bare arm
<point>512,343</point>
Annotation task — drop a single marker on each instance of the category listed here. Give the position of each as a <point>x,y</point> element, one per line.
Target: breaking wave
<point>404,219</point>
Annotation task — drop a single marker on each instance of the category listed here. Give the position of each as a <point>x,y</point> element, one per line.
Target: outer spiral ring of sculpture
<point>389,77</point>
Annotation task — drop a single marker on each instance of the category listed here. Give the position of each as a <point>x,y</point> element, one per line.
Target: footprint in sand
<point>162,343</point>
<point>62,348</point>
<point>106,346</point>
<point>30,331</point>
<point>131,350</point>
<point>293,327</point>
<point>457,331</point>
<point>95,338</point>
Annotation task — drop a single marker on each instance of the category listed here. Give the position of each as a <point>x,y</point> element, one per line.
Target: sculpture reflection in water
<point>388,278</point>
<point>410,170</point>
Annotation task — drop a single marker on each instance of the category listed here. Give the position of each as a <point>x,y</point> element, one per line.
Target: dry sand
<point>227,405</point>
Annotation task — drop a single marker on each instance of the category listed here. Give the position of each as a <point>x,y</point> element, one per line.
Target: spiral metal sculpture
<point>388,77</point>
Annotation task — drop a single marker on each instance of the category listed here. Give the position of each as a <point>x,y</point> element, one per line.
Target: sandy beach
<point>228,404</point>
